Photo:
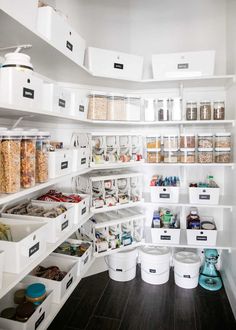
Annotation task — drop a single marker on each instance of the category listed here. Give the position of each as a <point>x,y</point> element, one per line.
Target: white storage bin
<point>188,64</point>
<point>155,264</point>
<point>24,11</point>
<point>2,259</point>
<point>59,162</point>
<point>28,243</point>
<point>163,235</point>
<point>55,27</point>
<point>79,104</point>
<point>164,194</point>
<point>59,288</point>
<point>81,157</point>
<point>108,63</point>
<point>20,88</point>
<point>204,195</point>
<point>122,265</point>
<point>56,99</point>
<point>186,269</point>
<point>82,261</point>
<point>37,319</point>
<point>201,237</point>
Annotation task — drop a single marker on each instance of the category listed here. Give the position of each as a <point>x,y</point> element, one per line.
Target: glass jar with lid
<point>154,156</point>
<point>153,142</point>
<point>116,107</point>
<point>187,141</point>
<point>163,109</point>
<point>191,110</point>
<point>10,161</point>
<point>205,110</point>
<point>171,141</point>
<point>171,156</point>
<point>219,110</point>
<point>42,147</point>
<point>205,140</point>
<point>223,140</point>
<point>187,155</point>
<point>205,155</point>
<point>222,155</point>
<point>28,155</point>
<point>97,106</point>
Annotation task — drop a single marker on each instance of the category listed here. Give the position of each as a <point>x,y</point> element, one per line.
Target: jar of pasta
<point>187,141</point>
<point>171,156</point>
<point>205,140</point>
<point>205,110</point>
<point>205,155</point>
<point>171,141</point>
<point>223,140</point>
<point>154,156</point>
<point>187,155</point>
<point>222,155</point>
<point>42,146</point>
<point>153,142</point>
<point>219,110</point>
<point>28,154</point>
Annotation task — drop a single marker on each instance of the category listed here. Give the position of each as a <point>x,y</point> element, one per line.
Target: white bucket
<point>122,265</point>
<point>186,269</point>
<point>155,264</point>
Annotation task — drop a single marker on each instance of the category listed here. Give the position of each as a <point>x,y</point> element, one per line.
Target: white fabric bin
<point>56,99</point>
<point>155,264</point>
<point>164,194</point>
<point>186,269</point>
<point>59,162</point>
<point>163,235</point>
<point>204,195</point>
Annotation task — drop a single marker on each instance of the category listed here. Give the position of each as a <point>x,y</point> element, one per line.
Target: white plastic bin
<point>186,269</point>
<point>155,264</point>
<point>59,162</point>
<point>108,63</point>
<point>81,157</point>
<point>204,195</point>
<point>79,104</point>
<point>122,265</point>
<point>164,194</point>
<point>56,99</point>
<point>59,288</point>
<point>165,235</point>
<point>54,26</point>
<point>37,319</point>
<point>201,237</point>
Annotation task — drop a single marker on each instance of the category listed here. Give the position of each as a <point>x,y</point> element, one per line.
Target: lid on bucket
<point>154,252</point>
<point>187,257</point>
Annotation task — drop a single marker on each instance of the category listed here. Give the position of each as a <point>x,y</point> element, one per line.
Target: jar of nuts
<point>28,154</point>
<point>97,106</point>
<point>187,155</point>
<point>171,141</point>
<point>205,140</point>
<point>187,141</point>
<point>219,110</point>
<point>10,148</point>
<point>42,147</point>
<point>205,110</point>
<point>205,155</point>
<point>223,140</point>
<point>171,156</point>
<point>222,155</point>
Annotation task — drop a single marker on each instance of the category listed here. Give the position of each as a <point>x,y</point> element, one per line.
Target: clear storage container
<point>97,106</point>
<point>133,108</point>
<point>154,156</point>
<point>153,142</point>
<point>42,145</point>
<point>162,109</point>
<point>205,155</point>
<point>176,109</point>
<point>187,141</point>
<point>187,155</point>
<point>10,161</point>
<point>116,108</point>
<point>222,155</point>
<point>171,156</point>
<point>171,141</point>
<point>219,110</point>
<point>191,110</point>
<point>205,110</point>
<point>205,140</point>
<point>223,140</point>
<point>28,155</point>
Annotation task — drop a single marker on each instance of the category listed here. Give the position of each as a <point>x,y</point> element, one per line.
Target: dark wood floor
<point>100,303</point>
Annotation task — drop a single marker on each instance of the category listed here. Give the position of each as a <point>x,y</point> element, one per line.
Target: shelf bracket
<point>19,120</point>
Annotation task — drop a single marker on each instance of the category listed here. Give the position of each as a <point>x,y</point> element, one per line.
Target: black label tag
<point>28,93</point>
<point>83,210</point>
<point>64,225</point>
<point>37,323</point>
<point>33,249</point>
<point>152,271</point>
<point>183,66</point>
<point>81,108</point>
<point>204,196</point>
<point>201,238</point>
<point>119,270</point>
<point>165,237</point>
<point>164,195</point>
<point>64,165</point>
<point>85,260</point>
<point>186,276</point>
<point>83,161</point>
<point>62,103</point>
<point>118,66</point>
<point>69,283</point>
<point>69,46</point>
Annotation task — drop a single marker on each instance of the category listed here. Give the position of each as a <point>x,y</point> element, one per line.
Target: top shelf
<point>59,67</point>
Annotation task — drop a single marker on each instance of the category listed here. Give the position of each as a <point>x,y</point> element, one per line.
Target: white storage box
<point>79,104</point>
<point>108,63</point>
<point>24,11</point>
<point>188,64</point>
<point>59,288</point>
<point>163,235</point>
<point>186,269</point>
<point>202,237</point>
<point>2,259</point>
<point>59,162</point>
<point>56,99</point>
<point>164,194</point>
<point>55,27</point>
<point>20,88</point>
<point>36,320</point>
<point>81,157</point>
<point>82,261</point>
<point>28,243</point>
<point>204,195</point>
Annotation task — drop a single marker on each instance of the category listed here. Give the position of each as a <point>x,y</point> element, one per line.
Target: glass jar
<point>116,108</point>
<point>191,110</point>
<point>10,161</point>
<point>187,155</point>
<point>219,110</point>
<point>28,155</point>
<point>42,145</point>
<point>163,110</point>
<point>171,156</point>
<point>154,156</point>
<point>187,141</point>
<point>133,108</point>
<point>171,142</point>
<point>153,142</point>
<point>97,106</point>
<point>205,140</point>
<point>205,110</point>
<point>223,140</point>
<point>222,155</point>
<point>205,155</point>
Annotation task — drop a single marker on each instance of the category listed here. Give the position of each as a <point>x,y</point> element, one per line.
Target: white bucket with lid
<point>186,269</point>
<point>155,264</point>
<point>122,265</point>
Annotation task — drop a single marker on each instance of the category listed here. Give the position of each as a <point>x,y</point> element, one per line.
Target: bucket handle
<point>107,263</point>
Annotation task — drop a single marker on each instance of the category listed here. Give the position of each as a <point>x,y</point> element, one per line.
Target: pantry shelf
<point>190,164</point>
<point>128,247</point>
<point>115,165</point>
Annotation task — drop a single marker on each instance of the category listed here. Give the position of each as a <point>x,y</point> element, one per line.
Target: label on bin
<point>69,283</point>
<point>164,195</point>
<point>183,66</point>
<point>152,271</point>
<point>201,238</point>
<point>186,276</point>
<point>119,66</point>
<point>81,108</point>
<point>86,259</point>
<point>28,93</point>
<point>64,165</point>
<point>83,210</point>
<point>37,323</point>
<point>64,225</point>
<point>119,270</point>
<point>83,161</point>
<point>61,103</point>
<point>204,197</point>
<point>166,237</point>
<point>33,249</point>
<point>69,46</point>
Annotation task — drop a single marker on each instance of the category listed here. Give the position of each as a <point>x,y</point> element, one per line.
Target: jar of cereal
<point>205,155</point>
<point>42,146</point>
<point>97,106</point>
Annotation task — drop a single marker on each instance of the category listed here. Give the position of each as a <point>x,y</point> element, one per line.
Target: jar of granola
<point>205,110</point>
<point>223,140</point>
<point>205,155</point>
<point>205,140</point>
<point>187,155</point>
<point>187,141</point>
<point>171,141</point>
<point>42,146</point>
<point>222,155</point>
<point>28,154</point>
